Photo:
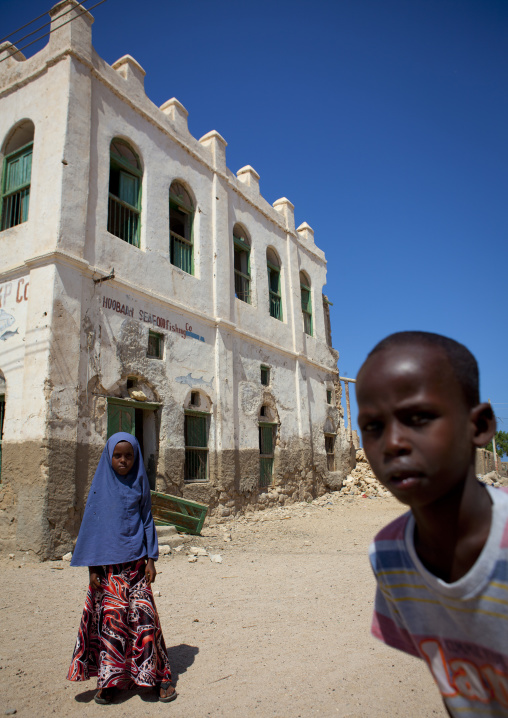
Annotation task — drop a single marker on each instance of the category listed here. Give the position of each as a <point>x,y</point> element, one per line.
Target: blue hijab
<point>117,525</point>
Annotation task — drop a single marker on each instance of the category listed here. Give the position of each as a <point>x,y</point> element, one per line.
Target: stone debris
<point>11,556</point>
<point>494,479</point>
<point>361,481</point>
<point>215,558</point>
<point>156,593</point>
<point>227,536</point>
<point>198,551</point>
<point>192,559</point>
<point>67,556</point>
<point>164,550</point>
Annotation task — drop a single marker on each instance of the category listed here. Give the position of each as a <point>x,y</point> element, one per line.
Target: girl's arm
<point>152,544</point>
<point>95,579</point>
<point>150,571</point>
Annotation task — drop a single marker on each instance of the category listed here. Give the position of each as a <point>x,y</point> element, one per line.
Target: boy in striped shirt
<point>441,568</point>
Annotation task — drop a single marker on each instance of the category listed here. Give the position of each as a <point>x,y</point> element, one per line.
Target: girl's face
<point>122,460</point>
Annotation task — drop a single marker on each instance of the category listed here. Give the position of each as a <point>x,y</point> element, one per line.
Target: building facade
<point>145,287</point>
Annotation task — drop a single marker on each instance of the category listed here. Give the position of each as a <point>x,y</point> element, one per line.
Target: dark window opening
<point>124,193</point>
<point>194,400</point>
<point>181,212</point>
<point>265,375</point>
<point>328,396</point>
<point>155,345</point>
<point>330,451</point>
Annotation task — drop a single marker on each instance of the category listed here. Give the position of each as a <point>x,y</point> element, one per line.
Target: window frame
<point>330,455</point>
<point>176,203</point>
<point>265,369</point>
<point>271,293</point>
<point>201,450</point>
<point>239,245</point>
<point>123,166</point>
<point>160,345</point>
<point>26,150</point>
<point>266,460</point>
<point>307,310</point>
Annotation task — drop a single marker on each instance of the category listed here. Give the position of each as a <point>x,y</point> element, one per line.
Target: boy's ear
<point>484,422</point>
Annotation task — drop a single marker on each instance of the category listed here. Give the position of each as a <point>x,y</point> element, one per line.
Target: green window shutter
<point>120,418</point>
<point>18,171</point>
<point>266,440</point>
<point>306,309</point>
<point>195,431</point>
<point>275,298</point>
<point>196,448</point>
<point>129,189</point>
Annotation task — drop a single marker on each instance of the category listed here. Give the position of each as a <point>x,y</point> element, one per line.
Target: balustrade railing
<point>15,208</point>
<point>123,221</point>
<point>242,286</point>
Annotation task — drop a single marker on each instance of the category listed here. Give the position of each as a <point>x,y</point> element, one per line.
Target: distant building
<point>144,287</point>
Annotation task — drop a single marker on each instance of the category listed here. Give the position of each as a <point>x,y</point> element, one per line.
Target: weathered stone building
<point>145,287</point>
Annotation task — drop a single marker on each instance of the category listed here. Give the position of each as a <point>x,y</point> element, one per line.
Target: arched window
<point>241,246</point>
<point>306,303</point>
<point>124,206</point>
<point>274,288</point>
<point>16,175</point>
<point>181,215</point>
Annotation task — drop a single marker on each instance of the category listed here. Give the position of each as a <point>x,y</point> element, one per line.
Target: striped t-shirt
<point>460,629</point>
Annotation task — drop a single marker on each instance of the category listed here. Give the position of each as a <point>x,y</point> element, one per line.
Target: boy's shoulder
<point>394,531</point>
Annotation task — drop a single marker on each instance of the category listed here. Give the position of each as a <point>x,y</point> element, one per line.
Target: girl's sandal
<point>167,692</point>
<point>104,696</point>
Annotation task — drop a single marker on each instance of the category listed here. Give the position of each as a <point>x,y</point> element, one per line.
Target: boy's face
<point>416,427</point>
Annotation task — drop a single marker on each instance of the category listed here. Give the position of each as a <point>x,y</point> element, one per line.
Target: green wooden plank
<point>188,516</point>
<point>180,500</point>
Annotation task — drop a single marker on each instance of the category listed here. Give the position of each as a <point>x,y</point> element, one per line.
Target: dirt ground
<point>279,629</point>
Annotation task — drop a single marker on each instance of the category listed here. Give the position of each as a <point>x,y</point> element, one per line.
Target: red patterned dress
<point>120,638</point>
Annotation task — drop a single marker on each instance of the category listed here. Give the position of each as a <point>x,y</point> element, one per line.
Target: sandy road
<point>279,629</point>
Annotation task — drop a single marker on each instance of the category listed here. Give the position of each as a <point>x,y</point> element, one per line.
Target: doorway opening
<point>141,419</point>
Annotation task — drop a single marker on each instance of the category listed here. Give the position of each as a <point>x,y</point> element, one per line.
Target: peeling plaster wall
<point>79,341</point>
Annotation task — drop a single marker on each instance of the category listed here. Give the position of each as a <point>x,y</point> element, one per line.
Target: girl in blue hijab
<point>120,639</point>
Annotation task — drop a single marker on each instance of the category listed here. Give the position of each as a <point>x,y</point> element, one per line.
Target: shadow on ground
<point>181,657</point>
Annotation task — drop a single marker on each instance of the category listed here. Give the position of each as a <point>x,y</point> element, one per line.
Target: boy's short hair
<point>462,362</point>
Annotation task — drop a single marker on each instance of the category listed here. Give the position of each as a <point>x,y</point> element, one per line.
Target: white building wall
<point>82,338</point>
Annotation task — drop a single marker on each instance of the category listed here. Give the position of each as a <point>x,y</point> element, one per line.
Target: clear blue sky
<point>383,121</point>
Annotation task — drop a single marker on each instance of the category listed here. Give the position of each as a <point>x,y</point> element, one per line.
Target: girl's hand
<point>95,579</point>
<point>150,572</point>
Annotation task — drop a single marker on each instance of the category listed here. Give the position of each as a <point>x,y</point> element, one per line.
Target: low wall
<point>485,463</point>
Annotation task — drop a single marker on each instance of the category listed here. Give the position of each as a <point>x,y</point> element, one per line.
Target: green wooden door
<point>121,418</point>
<point>266,442</point>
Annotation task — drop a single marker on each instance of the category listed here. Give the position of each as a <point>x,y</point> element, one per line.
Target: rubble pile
<point>494,479</point>
<point>361,481</point>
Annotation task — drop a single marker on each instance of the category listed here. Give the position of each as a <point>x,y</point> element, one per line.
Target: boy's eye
<point>371,426</point>
<point>419,418</point>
